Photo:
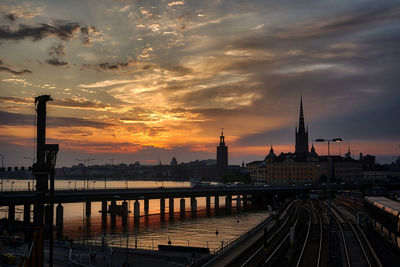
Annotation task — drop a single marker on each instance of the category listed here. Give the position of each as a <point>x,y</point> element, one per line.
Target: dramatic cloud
<point>172,73</point>
<point>62,29</point>
<point>111,66</point>
<point>56,62</point>
<point>11,17</point>
<point>14,71</point>
<point>14,119</point>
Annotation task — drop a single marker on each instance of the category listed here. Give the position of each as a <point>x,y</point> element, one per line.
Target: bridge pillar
<point>193,205</point>
<point>47,215</point>
<point>113,209</point>
<point>228,203</point>
<point>182,207</point>
<point>11,212</point>
<point>136,211</point>
<point>35,213</point>
<point>27,213</point>
<point>245,201</point>
<point>104,209</point>
<point>171,206</point>
<point>124,212</point>
<point>146,206</point>
<point>238,202</point>
<point>59,215</point>
<point>162,206</point>
<point>208,204</point>
<point>216,204</point>
<point>88,208</point>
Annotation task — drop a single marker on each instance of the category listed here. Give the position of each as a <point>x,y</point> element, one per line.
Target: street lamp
<point>336,140</point>
<point>2,176</point>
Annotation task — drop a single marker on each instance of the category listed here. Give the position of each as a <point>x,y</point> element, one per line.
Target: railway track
<point>255,256</point>
<point>356,247</point>
<point>274,251</point>
<point>310,254</point>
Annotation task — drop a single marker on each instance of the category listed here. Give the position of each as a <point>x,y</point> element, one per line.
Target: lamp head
<point>337,140</point>
<point>319,140</point>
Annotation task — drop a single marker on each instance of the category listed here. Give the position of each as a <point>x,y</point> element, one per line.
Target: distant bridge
<point>259,196</point>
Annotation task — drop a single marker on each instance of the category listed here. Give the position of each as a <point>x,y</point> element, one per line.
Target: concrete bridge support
<point>104,209</point>
<point>11,212</point>
<point>171,206</point>
<point>162,206</point>
<point>208,204</point>
<point>47,215</point>
<point>182,207</point>
<point>193,205</point>
<point>245,201</point>
<point>136,211</point>
<point>228,203</point>
<point>88,208</point>
<point>59,215</point>
<point>238,202</point>
<point>27,213</point>
<point>113,209</point>
<point>124,212</point>
<point>146,206</point>
<point>216,204</point>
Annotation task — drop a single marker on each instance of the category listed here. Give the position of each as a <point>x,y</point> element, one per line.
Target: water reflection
<point>149,231</point>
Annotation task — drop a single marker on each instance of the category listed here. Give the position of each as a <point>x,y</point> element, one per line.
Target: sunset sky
<point>138,80</point>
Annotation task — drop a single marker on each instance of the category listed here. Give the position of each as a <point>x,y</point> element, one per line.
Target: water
<point>199,230</point>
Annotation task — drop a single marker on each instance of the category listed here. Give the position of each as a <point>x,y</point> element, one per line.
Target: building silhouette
<point>222,156</point>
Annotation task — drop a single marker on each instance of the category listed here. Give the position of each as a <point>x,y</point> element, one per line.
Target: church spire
<point>301,117</point>
<point>301,148</point>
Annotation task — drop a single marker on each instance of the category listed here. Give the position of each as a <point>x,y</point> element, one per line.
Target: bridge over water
<point>261,196</point>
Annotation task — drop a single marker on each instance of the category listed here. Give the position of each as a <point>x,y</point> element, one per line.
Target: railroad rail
<point>256,254</point>
<point>312,245</point>
<point>358,251</point>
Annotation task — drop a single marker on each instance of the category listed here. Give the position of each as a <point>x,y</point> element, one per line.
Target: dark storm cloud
<point>57,50</point>
<point>14,71</point>
<point>116,66</point>
<point>61,29</point>
<point>6,69</point>
<point>10,16</point>
<point>57,54</point>
<point>56,62</point>
<point>110,66</point>
<point>15,119</point>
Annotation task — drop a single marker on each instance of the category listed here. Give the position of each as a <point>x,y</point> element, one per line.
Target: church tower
<point>301,134</point>
<point>222,155</point>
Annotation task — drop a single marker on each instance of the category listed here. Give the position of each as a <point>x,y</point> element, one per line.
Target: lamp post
<point>336,140</point>
<point>2,166</point>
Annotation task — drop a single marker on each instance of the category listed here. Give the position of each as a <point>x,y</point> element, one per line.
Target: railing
<point>214,255</point>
